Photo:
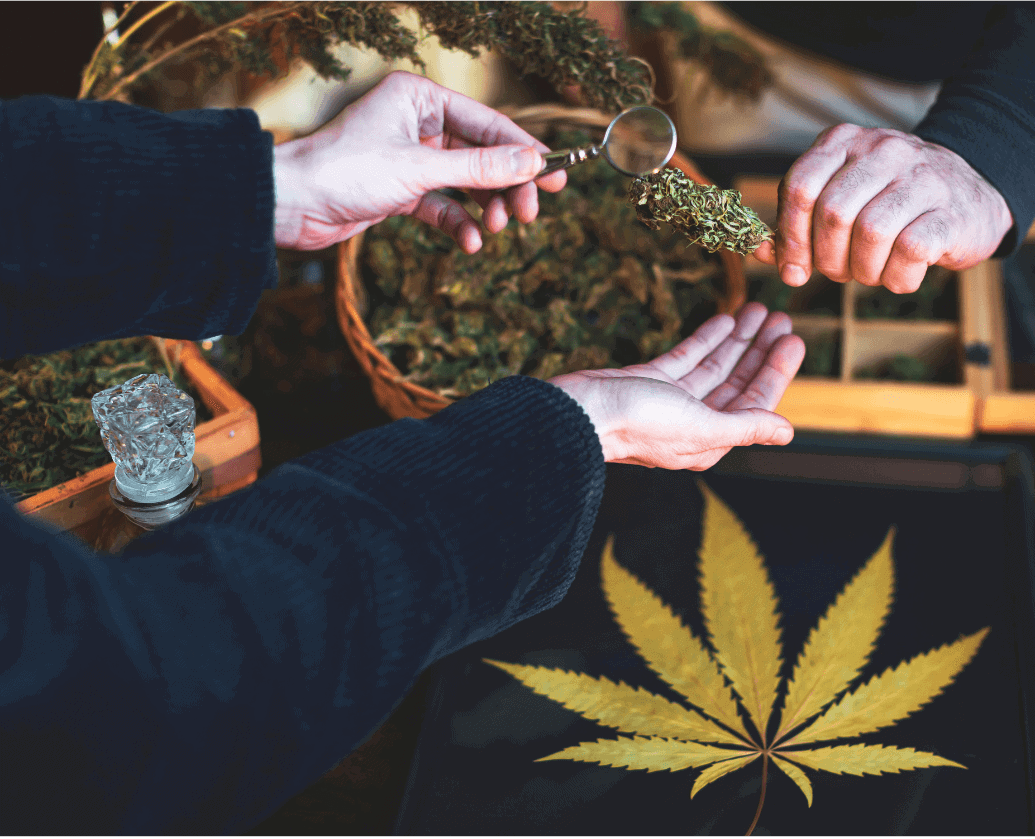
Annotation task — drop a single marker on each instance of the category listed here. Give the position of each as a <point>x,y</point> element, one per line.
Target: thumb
<point>766,252</point>
<point>751,426</point>
<point>490,167</point>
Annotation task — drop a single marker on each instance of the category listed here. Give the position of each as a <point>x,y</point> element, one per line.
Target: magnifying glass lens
<point>640,140</point>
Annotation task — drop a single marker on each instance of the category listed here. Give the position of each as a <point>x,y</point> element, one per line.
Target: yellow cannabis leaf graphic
<point>739,607</point>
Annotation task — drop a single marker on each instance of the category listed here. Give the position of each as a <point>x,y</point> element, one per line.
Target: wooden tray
<point>975,343</point>
<point>226,452</point>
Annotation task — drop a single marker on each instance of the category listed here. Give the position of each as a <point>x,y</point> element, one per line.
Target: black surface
<point>963,560</point>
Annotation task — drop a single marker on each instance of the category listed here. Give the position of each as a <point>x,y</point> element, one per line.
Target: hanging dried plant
<point>566,48</point>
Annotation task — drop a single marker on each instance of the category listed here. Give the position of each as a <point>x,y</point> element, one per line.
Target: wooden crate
<point>973,343</point>
<point>226,452</point>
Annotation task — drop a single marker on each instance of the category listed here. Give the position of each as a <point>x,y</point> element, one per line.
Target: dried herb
<point>734,65</point>
<point>822,356</point>
<point>47,431</point>
<point>902,367</point>
<point>566,48</point>
<point>935,299</point>
<point>714,217</point>
<point>725,731</point>
<point>583,286</point>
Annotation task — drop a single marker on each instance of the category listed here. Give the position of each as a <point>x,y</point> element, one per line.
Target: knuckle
<point>796,193</point>
<point>832,214</point>
<point>482,165</point>
<point>939,228</point>
<point>710,366</point>
<point>894,145</point>
<point>870,234</point>
<point>840,133</point>
<point>755,395</point>
<point>914,246</point>
<point>923,171</point>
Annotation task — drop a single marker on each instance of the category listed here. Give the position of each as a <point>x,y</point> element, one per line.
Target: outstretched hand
<point>389,152</point>
<point>880,206</point>
<point>687,408</point>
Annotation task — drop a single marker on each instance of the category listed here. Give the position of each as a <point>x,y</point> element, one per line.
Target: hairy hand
<point>881,206</point>
<point>389,152</point>
<point>687,408</point>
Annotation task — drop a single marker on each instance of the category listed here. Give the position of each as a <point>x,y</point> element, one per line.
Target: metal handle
<point>556,160</point>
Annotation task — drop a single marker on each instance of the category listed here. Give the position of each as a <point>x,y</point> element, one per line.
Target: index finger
<point>799,191</point>
<point>481,125</point>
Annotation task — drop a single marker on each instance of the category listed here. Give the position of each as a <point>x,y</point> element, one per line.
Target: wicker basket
<point>400,398</point>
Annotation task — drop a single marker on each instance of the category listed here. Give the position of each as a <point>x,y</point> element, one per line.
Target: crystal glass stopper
<point>147,425</point>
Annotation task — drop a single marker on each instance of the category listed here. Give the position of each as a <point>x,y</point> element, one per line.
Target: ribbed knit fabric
<point>221,665</point>
<point>985,52</point>
<point>119,221</point>
<point>986,114</point>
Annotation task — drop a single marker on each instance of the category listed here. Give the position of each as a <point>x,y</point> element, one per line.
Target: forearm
<point>221,665</point>
<point>986,115</point>
<point>117,221</point>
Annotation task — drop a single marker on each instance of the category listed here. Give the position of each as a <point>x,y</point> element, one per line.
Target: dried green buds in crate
<point>47,430</point>
<point>583,286</point>
<point>713,217</point>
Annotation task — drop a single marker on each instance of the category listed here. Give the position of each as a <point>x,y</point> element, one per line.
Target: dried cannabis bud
<point>713,217</point>
<point>583,286</point>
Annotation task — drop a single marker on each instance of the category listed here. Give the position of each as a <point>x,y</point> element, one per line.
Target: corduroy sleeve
<point>117,221</point>
<point>221,665</point>
<point>986,114</point>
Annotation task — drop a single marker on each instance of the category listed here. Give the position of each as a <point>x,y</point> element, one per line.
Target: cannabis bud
<point>714,217</point>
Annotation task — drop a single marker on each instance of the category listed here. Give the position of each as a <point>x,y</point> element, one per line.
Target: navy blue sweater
<point>221,665</point>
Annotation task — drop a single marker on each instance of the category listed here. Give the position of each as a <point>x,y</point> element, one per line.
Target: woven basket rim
<point>400,398</point>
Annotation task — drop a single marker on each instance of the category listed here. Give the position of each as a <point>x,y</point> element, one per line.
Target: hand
<point>387,153</point>
<point>880,206</point>
<point>688,407</point>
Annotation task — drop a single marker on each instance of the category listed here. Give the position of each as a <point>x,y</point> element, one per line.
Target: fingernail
<point>793,275</point>
<point>782,437</point>
<point>524,161</point>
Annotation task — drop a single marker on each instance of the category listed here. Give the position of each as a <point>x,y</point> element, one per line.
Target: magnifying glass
<point>638,141</point>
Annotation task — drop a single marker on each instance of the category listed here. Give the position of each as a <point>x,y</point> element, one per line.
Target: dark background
<point>308,391</point>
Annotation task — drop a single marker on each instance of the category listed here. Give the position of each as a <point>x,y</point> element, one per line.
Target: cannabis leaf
<point>739,607</point>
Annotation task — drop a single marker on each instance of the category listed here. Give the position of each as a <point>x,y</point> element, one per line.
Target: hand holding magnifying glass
<point>638,141</point>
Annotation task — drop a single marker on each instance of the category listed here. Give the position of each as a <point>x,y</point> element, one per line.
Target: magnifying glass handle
<point>556,160</point>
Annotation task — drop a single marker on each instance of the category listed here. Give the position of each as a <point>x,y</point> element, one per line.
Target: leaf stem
<point>161,7</point>
<point>761,798</point>
<point>251,18</point>
<point>90,74</point>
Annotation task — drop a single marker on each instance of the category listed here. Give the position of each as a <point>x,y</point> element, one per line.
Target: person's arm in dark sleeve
<point>118,221</point>
<point>221,665</point>
<point>986,114</point>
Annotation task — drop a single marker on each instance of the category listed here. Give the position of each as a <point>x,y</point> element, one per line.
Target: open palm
<point>687,408</point>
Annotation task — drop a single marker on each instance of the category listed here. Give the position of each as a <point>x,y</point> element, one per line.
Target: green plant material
<point>821,356</point>
<point>566,48</point>
<point>901,368</point>
<point>774,294</point>
<point>734,65</point>
<point>935,299</point>
<point>583,286</point>
<point>714,217</point>
<point>47,431</point>
<point>824,700</point>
